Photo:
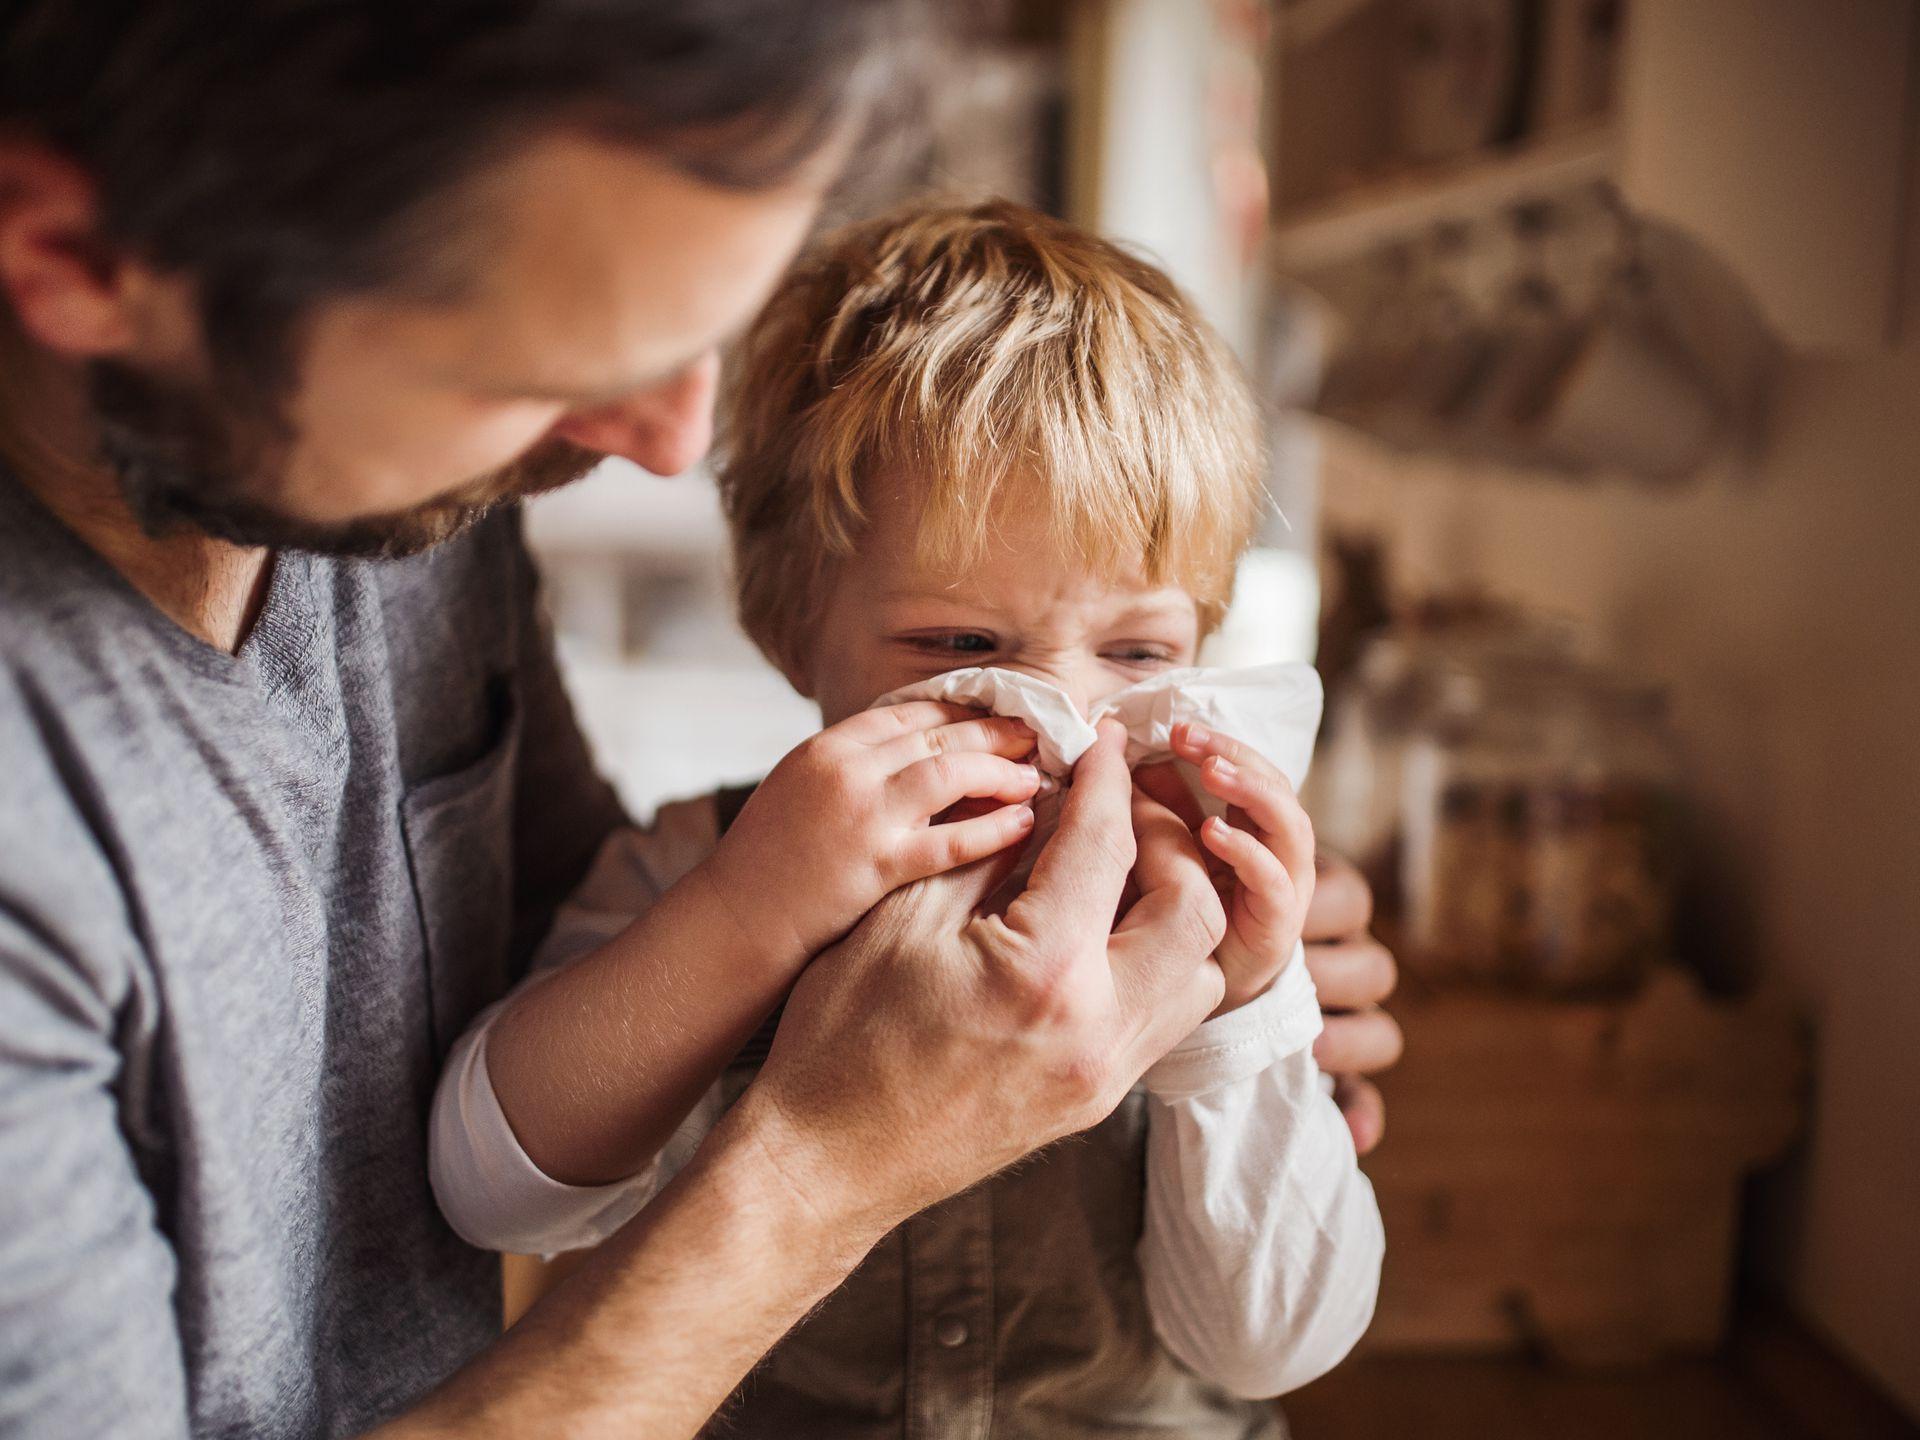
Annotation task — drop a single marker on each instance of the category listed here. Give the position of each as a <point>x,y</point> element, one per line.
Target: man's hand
<point>936,1044</point>
<point>1354,974</point>
<point>848,816</point>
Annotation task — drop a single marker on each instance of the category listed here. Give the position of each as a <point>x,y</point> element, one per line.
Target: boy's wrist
<point>752,908</point>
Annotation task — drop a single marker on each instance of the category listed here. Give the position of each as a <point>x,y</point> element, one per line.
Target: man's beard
<point>183,463</point>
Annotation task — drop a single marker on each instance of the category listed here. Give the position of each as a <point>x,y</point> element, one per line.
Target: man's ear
<point>67,289</point>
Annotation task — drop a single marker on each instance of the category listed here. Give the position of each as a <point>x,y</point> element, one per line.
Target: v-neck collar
<point>280,637</point>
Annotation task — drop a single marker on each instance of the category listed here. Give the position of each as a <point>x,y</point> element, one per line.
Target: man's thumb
<point>985,887</point>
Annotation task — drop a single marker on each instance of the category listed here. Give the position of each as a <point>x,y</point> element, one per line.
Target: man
<point>294,293</point>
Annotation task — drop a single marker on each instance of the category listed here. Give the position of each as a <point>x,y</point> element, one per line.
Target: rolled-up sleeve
<point>489,1189</point>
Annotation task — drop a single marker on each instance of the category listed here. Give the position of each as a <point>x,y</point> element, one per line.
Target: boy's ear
<point>798,668</point>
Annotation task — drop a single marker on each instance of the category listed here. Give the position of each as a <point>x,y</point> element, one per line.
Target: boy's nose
<point>1065,677</point>
<point>665,428</point>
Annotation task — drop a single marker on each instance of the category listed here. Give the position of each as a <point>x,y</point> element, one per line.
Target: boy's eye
<point>1138,654</point>
<point>952,642</point>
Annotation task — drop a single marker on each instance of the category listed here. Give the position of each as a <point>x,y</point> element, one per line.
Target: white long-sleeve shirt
<point>1261,1244</point>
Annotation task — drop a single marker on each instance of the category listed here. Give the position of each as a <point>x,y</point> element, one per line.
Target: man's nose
<point>665,428</point>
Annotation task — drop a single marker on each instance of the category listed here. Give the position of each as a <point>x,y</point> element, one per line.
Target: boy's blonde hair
<point>982,353</point>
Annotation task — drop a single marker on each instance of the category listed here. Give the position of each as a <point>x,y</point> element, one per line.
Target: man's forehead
<point>595,268</point>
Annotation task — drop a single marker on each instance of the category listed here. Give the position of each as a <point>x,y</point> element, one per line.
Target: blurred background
<point>1590,336</point>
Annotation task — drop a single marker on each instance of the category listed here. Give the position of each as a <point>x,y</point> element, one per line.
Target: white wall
<point>1783,603</point>
<point>1151,153</point>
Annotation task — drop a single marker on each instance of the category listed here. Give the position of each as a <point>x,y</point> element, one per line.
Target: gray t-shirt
<point>247,902</point>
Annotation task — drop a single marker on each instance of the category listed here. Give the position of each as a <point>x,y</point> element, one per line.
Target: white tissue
<point>1273,708</point>
<point>1062,733</point>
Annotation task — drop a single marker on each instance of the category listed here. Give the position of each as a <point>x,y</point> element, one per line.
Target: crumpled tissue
<point>1273,708</point>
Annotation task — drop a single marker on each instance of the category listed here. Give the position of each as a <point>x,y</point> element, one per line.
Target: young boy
<point>960,437</point>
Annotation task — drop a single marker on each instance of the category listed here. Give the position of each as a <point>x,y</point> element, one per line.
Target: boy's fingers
<point>910,717</point>
<point>1269,803</point>
<point>930,786</point>
<point>1194,743</point>
<point>940,848</point>
<point>1077,879</point>
<point>1169,787</point>
<point>1266,888</point>
<point>992,734</point>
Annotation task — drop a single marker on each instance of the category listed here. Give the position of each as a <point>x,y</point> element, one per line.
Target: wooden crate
<point>1564,1178</point>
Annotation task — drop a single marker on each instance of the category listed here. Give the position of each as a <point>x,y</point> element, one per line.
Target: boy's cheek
<point>843,686</point>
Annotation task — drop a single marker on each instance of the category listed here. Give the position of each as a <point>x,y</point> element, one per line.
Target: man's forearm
<point>647,1340</point>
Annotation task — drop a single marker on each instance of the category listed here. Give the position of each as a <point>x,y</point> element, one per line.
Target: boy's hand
<point>1262,853</point>
<point>847,817</point>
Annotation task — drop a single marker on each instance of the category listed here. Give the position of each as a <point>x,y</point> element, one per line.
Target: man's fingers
<point>931,785</point>
<point>1178,921</point>
<point>1165,784</point>
<point>945,847</point>
<point>1362,1043</point>
<point>1166,849</point>
<point>947,901</point>
<point>1351,974</point>
<point>1077,879</point>
<point>1342,905</point>
<point>1363,1110</point>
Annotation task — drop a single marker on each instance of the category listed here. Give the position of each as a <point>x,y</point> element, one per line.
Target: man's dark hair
<point>284,152</point>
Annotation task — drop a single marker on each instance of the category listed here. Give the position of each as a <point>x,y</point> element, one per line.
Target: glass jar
<point>1539,823</point>
<point>1356,791</point>
<point>1468,782</point>
<point>1603,867</point>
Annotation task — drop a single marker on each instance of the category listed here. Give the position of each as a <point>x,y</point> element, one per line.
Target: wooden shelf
<point>1565,1175</point>
<point>1345,228</point>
